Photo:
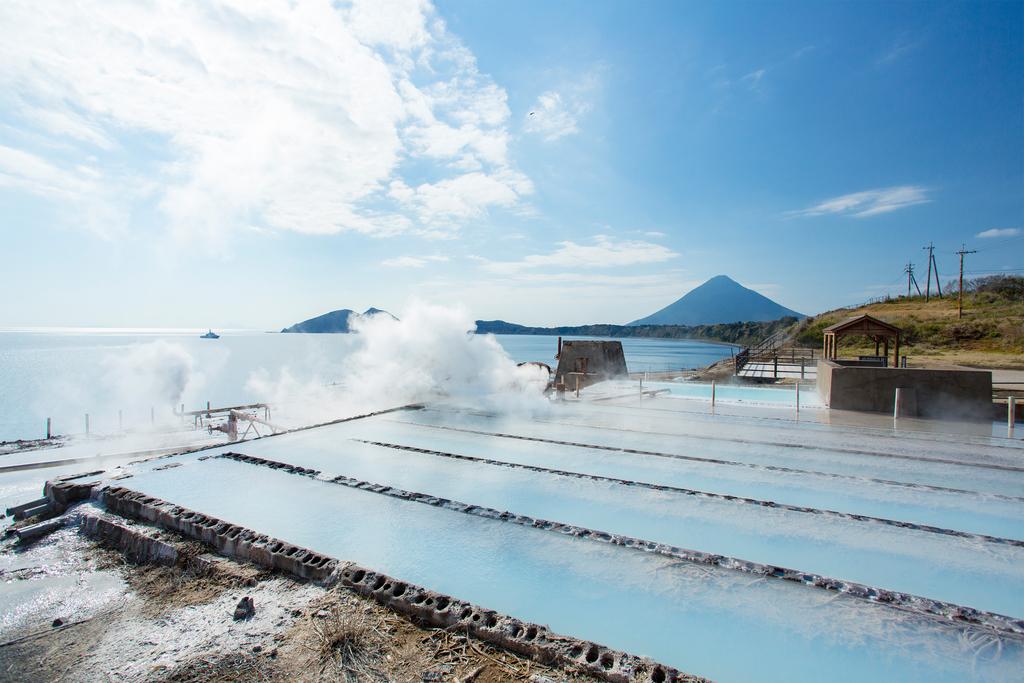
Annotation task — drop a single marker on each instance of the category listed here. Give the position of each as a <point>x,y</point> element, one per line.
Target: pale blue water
<point>66,373</point>
<point>984,576</point>
<point>712,622</point>
<point>952,510</point>
<point>734,393</point>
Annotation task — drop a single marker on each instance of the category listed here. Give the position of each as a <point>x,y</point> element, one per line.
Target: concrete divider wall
<point>423,605</point>
<point>948,394</point>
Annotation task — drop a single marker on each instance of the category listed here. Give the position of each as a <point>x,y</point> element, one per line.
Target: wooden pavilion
<point>865,325</point>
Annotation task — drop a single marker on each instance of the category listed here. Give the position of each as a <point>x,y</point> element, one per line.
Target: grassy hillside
<point>990,334</point>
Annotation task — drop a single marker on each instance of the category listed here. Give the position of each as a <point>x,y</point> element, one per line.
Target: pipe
<point>896,404</point>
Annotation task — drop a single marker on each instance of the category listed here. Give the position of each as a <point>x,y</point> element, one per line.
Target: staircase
<point>773,358</point>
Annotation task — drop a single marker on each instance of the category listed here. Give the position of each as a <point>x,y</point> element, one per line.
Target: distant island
<point>719,300</point>
<point>334,322</point>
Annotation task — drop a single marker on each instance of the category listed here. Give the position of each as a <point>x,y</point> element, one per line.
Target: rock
<point>58,622</point>
<point>246,609</point>
<point>257,648</point>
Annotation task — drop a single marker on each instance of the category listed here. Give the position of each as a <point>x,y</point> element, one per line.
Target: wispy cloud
<point>898,49</point>
<point>753,79</point>
<point>412,261</point>
<point>999,232</point>
<point>603,253</point>
<point>869,202</point>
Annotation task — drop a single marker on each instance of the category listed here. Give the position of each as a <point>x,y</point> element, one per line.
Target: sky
<point>249,164</point>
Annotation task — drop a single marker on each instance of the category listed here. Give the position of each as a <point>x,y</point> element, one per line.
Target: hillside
<point>334,322</point>
<point>990,334</point>
<point>742,333</point>
<point>719,300</point>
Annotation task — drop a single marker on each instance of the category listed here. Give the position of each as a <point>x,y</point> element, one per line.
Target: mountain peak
<point>719,300</point>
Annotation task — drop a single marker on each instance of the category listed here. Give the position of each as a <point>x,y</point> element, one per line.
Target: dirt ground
<point>177,624</point>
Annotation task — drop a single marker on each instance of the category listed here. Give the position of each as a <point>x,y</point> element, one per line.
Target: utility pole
<point>928,287</point>
<point>909,270</point>
<point>960,302</point>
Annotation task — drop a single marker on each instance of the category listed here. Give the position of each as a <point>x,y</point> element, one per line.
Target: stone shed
<point>590,360</point>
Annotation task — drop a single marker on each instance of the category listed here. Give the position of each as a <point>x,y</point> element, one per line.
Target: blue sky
<point>249,164</point>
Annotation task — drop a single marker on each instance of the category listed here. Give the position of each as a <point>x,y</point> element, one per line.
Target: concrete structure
<point>590,361</point>
<point>951,394</point>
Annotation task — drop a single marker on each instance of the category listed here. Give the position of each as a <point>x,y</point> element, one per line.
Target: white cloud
<point>604,253</point>
<point>551,117</point>
<point>462,197</point>
<point>286,116</point>
<point>557,112</point>
<point>869,202</point>
<point>655,233</point>
<point>412,261</point>
<point>999,232</point>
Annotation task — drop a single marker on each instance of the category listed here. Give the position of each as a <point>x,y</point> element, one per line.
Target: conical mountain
<point>719,300</point>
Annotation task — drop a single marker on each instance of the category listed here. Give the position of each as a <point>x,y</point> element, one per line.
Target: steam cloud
<point>430,353</point>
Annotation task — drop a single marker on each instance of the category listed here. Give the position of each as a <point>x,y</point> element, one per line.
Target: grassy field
<point>990,334</point>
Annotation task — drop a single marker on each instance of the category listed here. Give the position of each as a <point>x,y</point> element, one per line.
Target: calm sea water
<point>65,373</point>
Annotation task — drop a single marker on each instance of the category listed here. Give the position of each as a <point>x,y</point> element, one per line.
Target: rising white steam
<point>430,353</point>
<point>157,374</point>
<point>133,387</point>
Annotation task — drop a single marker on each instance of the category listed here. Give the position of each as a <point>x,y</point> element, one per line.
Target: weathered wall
<point>600,360</point>
<point>951,394</point>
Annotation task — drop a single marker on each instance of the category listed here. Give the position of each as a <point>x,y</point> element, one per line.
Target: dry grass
<point>192,581</point>
<point>344,637</point>
<point>990,333</point>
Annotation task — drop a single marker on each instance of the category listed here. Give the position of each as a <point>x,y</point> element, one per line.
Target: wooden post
<point>801,368</point>
<point>712,393</point>
<point>886,352</point>
<point>577,386</point>
<point>896,353</point>
<point>775,364</point>
<point>49,434</point>
<point>798,397</point>
<point>207,409</point>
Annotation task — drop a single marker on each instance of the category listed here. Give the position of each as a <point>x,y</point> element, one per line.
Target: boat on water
<point>210,334</point>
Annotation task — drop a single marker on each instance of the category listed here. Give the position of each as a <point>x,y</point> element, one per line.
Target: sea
<point>120,377</point>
